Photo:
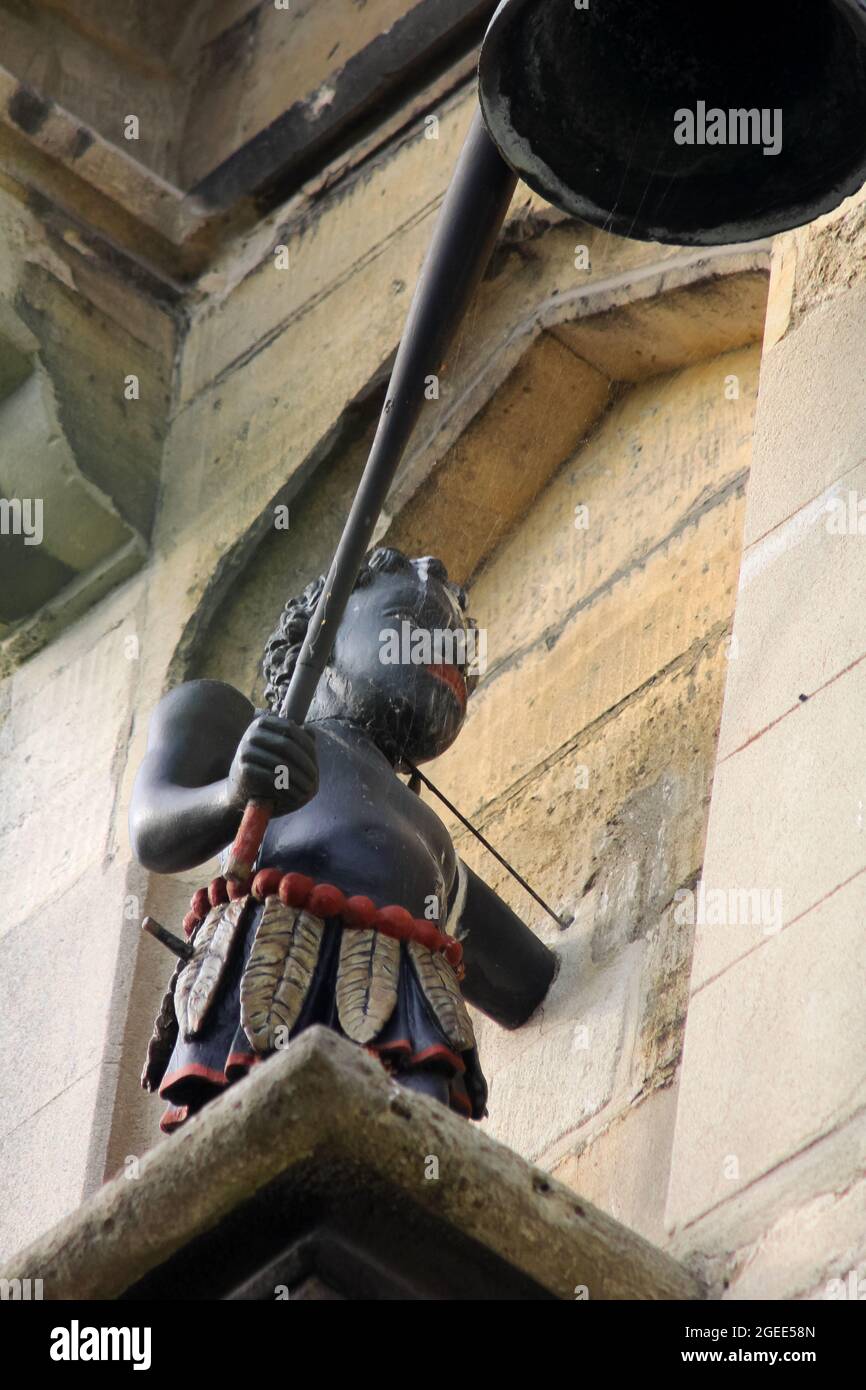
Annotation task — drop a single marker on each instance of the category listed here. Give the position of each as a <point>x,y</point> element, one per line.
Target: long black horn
<point>690,121</point>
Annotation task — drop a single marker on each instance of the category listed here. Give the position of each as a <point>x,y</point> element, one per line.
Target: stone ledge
<point>321,1121</point>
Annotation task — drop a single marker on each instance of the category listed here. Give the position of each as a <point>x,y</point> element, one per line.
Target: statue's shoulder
<point>200,704</point>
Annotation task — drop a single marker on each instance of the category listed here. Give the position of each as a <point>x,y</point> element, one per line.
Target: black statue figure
<point>261,972</point>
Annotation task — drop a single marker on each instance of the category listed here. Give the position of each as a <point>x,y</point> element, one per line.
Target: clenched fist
<point>275,761</point>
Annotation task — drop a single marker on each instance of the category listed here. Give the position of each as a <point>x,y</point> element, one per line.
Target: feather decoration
<point>201,977</point>
<point>164,1035</point>
<point>367,977</point>
<point>442,993</point>
<point>279,973</point>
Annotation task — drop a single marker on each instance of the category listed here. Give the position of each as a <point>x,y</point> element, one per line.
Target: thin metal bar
<point>560,921</point>
<point>176,944</point>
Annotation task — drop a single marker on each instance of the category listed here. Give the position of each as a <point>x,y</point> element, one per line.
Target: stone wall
<point>592,746</point>
<point>767,1185</point>
<point>69,920</point>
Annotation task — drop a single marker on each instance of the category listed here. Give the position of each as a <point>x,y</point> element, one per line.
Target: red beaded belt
<point>324,900</point>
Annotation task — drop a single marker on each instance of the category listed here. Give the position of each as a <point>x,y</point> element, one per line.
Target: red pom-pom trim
<point>326,901</point>
<point>396,922</point>
<point>359,912</point>
<point>295,889</point>
<point>200,903</point>
<point>454,953</point>
<point>217,892</point>
<point>266,883</point>
<point>428,935</point>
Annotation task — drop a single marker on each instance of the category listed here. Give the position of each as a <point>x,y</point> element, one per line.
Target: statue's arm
<point>207,753</point>
<point>180,814</point>
<point>508,970</point>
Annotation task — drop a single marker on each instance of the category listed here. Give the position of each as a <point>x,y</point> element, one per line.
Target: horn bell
<point>631,114</point>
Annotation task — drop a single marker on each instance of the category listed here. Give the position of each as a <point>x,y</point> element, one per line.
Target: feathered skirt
<point>262,973</point>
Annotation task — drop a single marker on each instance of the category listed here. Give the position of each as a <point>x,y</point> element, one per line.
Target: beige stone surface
<point>613,853</point>
<point>79,527</point>
<point>770,1144</point>
<point>772,1057</point>
<point>611,826</point>
<point>666,967</point>
<point>654,336</point>
<point>811,1253</point>
<point>285,57</point>
<point>602,800</point>
<point>787,819</point>
<point>81,329</point>
<point>83,346</point>
<point>753,1235</point>
<point>66,719</point>
<point>666,452</point>
<point>64,724</point>
<point>45,1161</point>
<point>785,649</point>
<point>488,481</point>
<point>60,964</point>
<point>607,652</point>
<point>557,1072</point>
<point>780,300</point>
<point>67,63</point>
<point>384,213</point>
<point>829,255</point>
<point>381,209</point>
<point>624,1169</point>
<point>807,433</point>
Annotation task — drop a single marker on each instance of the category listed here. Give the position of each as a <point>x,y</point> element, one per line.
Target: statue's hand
<point>275,761</point>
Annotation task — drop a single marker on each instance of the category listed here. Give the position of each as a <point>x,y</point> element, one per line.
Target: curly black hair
<point>284,644</point>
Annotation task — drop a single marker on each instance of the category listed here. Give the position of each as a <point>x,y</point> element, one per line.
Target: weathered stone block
<point>807,434</point>
<point>785,650</point>
<point>657,335</point>
<point>606,653</point>
<point>559,1070</point>
<point>79,527</point>
<point>665,452</point>
<point>45,1164</point>
<point>817,1251</point>
<point>277,1128</point>
<point>624,1169</point>
<point>545,409</point>
<point>785,828</point>
<point>62,962</point>
<point>67,722</point>
<point>772,1055</point>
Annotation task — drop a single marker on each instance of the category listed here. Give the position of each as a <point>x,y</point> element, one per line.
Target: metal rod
<point>562,922</point>
<point>179,947</point>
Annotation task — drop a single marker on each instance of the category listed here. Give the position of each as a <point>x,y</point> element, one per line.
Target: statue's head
<point>405,658</point>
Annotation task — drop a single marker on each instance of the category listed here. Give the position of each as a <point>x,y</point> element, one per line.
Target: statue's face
<point>399,664</point>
